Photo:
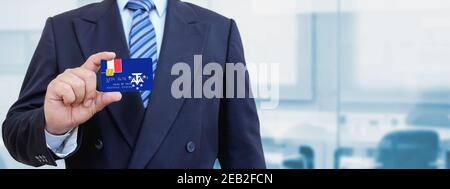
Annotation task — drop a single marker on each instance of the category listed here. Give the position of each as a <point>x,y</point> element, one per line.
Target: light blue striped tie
<point>142,39</point>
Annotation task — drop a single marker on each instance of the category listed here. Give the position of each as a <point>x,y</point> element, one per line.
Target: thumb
<point>93,62</point>
<point>104,99</point>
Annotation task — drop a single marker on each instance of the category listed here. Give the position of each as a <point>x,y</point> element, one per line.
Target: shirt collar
<point>160,5</point>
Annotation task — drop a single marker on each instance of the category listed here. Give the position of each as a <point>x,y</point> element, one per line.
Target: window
<point>395,96</point>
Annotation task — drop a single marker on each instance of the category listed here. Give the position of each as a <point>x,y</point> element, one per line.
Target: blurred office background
<point>364,83</point>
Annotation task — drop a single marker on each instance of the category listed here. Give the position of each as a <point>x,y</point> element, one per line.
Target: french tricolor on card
<point>126,75</point>
<point>113,66</point>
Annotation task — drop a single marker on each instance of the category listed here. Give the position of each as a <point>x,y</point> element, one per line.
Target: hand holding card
<point>72,98</point>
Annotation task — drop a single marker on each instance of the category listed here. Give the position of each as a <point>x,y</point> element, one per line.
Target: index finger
<point>93,62</point>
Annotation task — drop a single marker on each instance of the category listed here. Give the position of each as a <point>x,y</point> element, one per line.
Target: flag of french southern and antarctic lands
<point>126,75</point>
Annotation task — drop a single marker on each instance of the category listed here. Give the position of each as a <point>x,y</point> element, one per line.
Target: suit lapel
<point>183,38</point>
<point>101,30</point>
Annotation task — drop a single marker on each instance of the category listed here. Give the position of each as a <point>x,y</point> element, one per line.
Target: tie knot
<point>145,5</point>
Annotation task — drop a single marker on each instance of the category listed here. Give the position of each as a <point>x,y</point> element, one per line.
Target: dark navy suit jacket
<point>171,133</point>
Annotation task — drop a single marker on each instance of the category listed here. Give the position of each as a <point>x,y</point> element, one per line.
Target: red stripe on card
<point>118,66</point>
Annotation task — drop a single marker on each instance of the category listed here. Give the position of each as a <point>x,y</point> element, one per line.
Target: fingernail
<point>88,103</point>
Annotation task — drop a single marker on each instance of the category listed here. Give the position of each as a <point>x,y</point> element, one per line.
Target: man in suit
<point>60,113</point>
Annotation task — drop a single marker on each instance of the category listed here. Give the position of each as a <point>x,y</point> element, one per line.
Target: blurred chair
<point>447,160</point>
<point>304,160</point>
<point>339,153</point>
<point>408,150</point>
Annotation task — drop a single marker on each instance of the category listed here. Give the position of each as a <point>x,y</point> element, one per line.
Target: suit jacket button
<point>99,144</point>
<point>190,147</point>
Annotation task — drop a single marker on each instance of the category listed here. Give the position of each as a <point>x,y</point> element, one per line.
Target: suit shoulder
<point>75,13</point>
<point>207,15</point>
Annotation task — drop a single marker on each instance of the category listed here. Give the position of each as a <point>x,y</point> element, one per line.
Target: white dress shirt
<point>63,145</point>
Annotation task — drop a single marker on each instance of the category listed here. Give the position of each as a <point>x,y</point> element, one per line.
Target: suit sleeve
<point>23,128</point>
<point>239,138</point>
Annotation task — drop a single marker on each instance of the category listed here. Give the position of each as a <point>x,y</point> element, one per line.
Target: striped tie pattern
<point>142,38</point>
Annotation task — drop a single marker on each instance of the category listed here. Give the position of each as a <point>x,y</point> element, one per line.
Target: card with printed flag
<point>126,75</point>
